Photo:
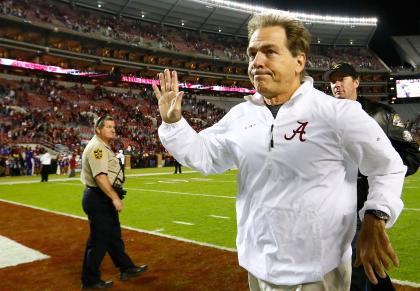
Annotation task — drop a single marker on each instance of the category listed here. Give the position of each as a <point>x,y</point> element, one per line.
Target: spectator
<point>45,165</point>
<point>72,163</point>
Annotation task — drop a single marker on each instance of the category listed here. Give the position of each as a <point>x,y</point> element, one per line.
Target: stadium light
<point>313,18</point>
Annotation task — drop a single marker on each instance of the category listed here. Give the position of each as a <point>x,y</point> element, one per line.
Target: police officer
<point>344,81</point>
<point>102,200</point>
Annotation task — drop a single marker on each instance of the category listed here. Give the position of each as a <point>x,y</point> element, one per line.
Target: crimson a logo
<point>300,130</point>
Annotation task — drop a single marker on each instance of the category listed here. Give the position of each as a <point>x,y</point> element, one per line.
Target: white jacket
<point>296,200</point>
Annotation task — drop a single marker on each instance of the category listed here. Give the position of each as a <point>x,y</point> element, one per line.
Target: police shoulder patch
<point>97,154</point>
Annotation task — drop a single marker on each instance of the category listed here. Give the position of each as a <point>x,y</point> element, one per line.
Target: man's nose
<point>258,60</point>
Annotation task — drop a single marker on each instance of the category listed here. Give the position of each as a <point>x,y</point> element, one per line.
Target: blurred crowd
<point>142,33</point>
<point>41,111</point>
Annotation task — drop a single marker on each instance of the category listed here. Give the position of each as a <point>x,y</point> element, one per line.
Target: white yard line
<point>168,181</point>
<point>78,179</point>
<point>167,192</point>
<point>182,222</point>
<point>181,193</point>
<point>218,216</point>
<point>158,230</point>
<point>37,181</point>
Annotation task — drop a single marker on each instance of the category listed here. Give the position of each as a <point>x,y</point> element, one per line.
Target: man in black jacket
<point>344,81</point>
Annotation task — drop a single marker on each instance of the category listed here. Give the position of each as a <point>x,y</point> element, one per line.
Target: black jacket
<point>408,149</point>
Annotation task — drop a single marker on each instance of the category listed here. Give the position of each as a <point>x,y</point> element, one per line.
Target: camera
<point>120,191</point>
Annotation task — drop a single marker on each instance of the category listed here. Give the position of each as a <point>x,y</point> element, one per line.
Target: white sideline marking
<point>187,180</point>
<point>37,181</point>
<point>182,193</point>
<point>13,253</point>
<point>182,222</point>
<point>173,181</point>
<point>410,187</point>
<point>218,216</point>
<point>157,174</point>
<point>78,179</point>
<point>165,191</point>
<point>129,227</point>
<point>405,283</point>
<point>412,209</point>
<point>158,230</point>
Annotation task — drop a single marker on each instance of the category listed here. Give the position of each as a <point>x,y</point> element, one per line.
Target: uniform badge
<point>396,121</point>
<point>97,154</point>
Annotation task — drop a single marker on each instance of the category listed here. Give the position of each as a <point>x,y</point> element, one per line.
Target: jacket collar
<point>307,85</point>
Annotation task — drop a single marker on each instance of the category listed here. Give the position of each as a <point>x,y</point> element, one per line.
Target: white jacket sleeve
<point>205,152</point>
<point>371,150</point>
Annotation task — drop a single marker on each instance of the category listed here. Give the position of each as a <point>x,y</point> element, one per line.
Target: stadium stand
<point>56,111</point>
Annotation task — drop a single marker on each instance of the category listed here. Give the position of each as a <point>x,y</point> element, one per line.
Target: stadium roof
<point>408,47</point>
<point>231,18</point>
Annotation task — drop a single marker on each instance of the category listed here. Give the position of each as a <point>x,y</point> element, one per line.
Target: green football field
<point>196,207</point>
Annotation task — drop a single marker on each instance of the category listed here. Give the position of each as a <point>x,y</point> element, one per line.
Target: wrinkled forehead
<point>268,35</point>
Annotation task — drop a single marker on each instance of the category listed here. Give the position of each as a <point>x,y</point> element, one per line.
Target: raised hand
<point>169,97</point>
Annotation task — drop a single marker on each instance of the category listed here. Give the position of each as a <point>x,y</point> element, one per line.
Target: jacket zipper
<point>271,138</point>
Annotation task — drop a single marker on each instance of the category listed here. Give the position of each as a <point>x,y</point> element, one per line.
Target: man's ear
<point>301,60</point>
<point>357,83</point>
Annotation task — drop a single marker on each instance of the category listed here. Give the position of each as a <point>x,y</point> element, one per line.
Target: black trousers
<point>359,280</point>
<point>44,173</point>
<point>177,168</point>
<point>104,236</point>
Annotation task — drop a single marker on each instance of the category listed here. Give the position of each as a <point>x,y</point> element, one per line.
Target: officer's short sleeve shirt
<point>99,158</point>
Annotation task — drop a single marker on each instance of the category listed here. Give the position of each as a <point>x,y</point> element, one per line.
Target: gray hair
<point>298,37</point>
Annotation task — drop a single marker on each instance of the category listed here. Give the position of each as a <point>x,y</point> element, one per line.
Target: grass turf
<point>198,208</point>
